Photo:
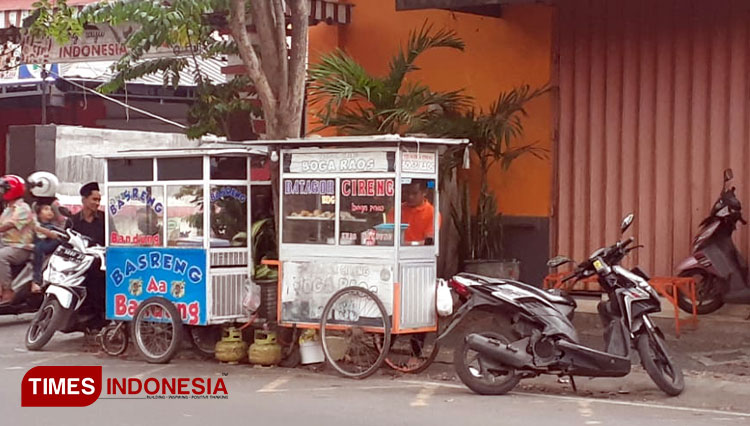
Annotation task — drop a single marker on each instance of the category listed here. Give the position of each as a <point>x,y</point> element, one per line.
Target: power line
<point>123,104</point>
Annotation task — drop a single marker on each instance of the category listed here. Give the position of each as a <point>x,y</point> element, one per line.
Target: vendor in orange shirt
<point>418,213</point>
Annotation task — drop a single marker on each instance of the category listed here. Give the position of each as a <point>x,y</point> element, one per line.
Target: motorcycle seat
<point>553,297</point>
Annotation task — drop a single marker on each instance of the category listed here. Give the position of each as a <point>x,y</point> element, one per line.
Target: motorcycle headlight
<point>61,265</point>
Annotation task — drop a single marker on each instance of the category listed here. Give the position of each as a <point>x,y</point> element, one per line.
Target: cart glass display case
<point>359,211</point>
<point>177,226</point>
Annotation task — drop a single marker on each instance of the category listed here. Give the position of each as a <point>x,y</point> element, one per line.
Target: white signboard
<point>349,162</point>
<point>422,162</point>
<point>307,287</point>
<point>100,44</point>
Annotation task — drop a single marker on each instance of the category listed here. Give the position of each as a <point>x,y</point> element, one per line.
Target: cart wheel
<point>412,353</point>
<point>204,339</point>
<point>114,338</point>
<point>352,323</point>
<point>157,330</point>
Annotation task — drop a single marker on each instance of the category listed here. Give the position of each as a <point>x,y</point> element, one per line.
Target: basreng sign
<point>135,274</point>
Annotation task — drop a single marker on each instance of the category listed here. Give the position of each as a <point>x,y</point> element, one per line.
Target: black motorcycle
<point>718,268</point>
<point>542,338</point>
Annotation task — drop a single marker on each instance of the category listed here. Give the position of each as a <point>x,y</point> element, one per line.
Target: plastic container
<point>386,231</point>
<point>311,352</point>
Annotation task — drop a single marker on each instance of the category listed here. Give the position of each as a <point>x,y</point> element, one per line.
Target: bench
<point>667,287</point>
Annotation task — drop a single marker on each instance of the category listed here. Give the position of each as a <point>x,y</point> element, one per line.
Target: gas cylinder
<point>264,350</point>
<point>231,348</point>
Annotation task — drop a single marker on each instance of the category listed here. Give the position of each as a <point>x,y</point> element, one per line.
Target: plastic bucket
<point>311,352</point>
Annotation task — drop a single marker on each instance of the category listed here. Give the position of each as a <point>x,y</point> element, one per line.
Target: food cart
<point>177,226</point>
<point>344,203</point>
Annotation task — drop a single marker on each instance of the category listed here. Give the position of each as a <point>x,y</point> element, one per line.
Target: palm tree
<point>492,135</point>
<point>357,102</point>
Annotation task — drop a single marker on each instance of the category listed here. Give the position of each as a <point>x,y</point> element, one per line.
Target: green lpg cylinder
<point>265,350</point>
<point>231,348</point>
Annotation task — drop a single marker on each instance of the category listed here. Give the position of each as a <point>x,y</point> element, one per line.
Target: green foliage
<point>264,247</point>
<point>356,102</point>
<point>492,134</point>
<point>58,21</point>
<point>188,27</point>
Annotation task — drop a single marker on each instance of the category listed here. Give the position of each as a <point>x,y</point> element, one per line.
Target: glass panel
<point>417,212</point>
<point>189,168</point>
<point>260,169</point>
<point>366,212</point>
<point>309,210</point>
<point>135,215</point>
<point>185,216</point>
<point>228,216</point>
<point>229,168</point>
<point>263,232</point>
<point>119,170</point>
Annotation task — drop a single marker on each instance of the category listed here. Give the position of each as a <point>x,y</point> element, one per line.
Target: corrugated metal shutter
<point>653,106</point>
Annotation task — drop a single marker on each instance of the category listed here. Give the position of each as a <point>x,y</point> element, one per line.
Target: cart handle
<point>270,262</point>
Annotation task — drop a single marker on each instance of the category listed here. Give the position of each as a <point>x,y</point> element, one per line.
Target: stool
<point>590,284</point>
<point>669,287</point>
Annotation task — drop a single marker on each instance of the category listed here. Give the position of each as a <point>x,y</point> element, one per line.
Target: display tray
<point>323,218</point>
<point>308,218</point>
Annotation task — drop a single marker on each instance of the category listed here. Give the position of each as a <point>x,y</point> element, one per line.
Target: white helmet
<point>43,184</point>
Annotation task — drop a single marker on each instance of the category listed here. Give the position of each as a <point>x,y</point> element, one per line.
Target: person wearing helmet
<point>17,227</point>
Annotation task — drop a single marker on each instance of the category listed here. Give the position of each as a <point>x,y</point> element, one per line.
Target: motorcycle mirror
<point>558,261</point>
<point>728,175</point>
<point>626,222</point>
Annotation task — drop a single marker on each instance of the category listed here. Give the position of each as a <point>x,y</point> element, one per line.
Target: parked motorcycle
<point>718,268</point>
<point>42,186</point>
<point>543,340</point>
<point>64,307</point>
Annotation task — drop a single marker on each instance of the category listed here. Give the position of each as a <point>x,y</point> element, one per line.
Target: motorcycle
<point>42,186</point>
<point>542,338</point>
<point>64,308</point>
<point>718,268</point>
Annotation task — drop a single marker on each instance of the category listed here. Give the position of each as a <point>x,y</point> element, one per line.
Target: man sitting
<point>418,213</point>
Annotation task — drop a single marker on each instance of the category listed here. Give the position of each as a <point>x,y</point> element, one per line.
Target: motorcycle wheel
<point>659,365</point>
<point>114,339</point>
<point>157,330</point>
<point>477,377</point>
<point>707,294</point>
<point>44,324</point>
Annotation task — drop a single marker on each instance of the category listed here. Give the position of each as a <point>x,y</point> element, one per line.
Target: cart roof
<point>357,141</point>
<point>188,152</point>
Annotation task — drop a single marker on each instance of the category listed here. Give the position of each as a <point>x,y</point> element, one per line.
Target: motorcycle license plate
<point>69,254</point>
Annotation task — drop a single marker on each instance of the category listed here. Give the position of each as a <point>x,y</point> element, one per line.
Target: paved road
<point>261,396</point>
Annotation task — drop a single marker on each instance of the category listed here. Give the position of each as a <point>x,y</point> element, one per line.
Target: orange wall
<point>500,53</point>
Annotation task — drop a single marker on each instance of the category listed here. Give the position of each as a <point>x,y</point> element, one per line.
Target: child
<point>45,242</point>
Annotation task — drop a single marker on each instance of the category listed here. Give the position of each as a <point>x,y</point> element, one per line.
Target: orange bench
<point>667,287</point>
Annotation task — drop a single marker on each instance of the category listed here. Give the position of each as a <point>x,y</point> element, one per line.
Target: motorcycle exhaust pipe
<point>499,351</point>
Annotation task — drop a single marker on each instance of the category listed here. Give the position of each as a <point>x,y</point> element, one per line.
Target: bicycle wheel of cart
<point>114,339</point>
<point>353,323</point>
<point>157,330</point>
<point>412,353</point>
